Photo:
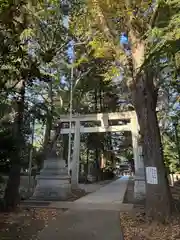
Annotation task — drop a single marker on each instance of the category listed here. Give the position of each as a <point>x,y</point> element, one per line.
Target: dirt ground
<point>135,227</point>
<point>25,224</point>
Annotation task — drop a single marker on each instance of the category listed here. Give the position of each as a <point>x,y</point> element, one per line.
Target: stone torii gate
<point>104,125</point>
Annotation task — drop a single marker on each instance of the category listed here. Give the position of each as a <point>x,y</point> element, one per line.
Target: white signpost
<point>151,175</point>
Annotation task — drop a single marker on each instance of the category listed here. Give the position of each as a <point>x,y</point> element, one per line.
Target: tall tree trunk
<point>100,100</point>
<point>49,119</point>
<point>144,96</point>
<point>96,149</point>
<point>87,163</point>
<point>177,139</point>
<point>111,148</point>
<point>11,197</point>
<point>65,148</point>
<point>158,197</point>
<point>95,100</point>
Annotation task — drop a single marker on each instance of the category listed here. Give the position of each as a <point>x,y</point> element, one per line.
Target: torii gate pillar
<point>139,179</point>
<point>75,159</point>
<point>133,127</point>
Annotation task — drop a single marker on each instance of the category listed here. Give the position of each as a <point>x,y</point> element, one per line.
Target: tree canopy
<point>126,58</point>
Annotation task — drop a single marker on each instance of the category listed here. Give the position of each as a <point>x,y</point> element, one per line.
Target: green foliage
<point>33,41</point>
<point>101,22</point>
<point>170,153</point>
<point>7,147</point>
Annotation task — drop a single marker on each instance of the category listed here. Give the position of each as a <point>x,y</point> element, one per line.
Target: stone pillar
<point>139,178</point>
<point>75,159</point>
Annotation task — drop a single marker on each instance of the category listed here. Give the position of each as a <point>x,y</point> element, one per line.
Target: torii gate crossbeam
<point>103,119</point>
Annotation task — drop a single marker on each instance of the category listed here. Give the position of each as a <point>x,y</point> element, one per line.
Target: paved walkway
<point>111,193</point>
<point>87,219</point>
<point>109,197</point>
<point>84,225</point>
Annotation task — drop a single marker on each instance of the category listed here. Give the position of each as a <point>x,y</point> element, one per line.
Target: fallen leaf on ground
<point>26,223</point>
<point>135,228</point>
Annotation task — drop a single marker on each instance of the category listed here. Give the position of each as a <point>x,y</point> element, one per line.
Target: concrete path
<point>109,197</point>
<point>111,193</point>
<point>92,221</point>
<point>90,217</point>
<point>92,187</point>
<point>84,225</point>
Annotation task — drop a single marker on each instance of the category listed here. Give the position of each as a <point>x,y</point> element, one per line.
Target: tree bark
<point>158,197</point>
<point>49,119</point>
<point>87,163</point>
<point>11,197</point>
<point>96,149</point>
<point>100,101</point>
<point>144,96</point>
